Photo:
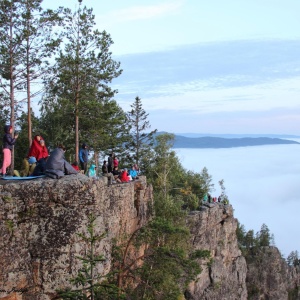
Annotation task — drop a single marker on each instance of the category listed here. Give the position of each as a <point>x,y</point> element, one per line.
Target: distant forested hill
<point>218,142</point>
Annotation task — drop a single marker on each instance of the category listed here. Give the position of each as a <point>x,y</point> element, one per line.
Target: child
<point>8,143</point>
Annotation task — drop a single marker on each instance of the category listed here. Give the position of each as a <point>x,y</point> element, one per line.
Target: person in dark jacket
<point>83,157</point>
<point>107,174</point>
<point>57,166</point>
<point>8,143</point>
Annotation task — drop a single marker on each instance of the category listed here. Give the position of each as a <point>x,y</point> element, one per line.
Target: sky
<point>206,66</point>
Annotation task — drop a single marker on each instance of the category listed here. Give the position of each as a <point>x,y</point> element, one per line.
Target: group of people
<point>110,169</point>
<point>38,161</point>
<point>208,198</point>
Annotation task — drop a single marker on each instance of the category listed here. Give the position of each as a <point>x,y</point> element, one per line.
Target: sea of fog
<point>262,184</point>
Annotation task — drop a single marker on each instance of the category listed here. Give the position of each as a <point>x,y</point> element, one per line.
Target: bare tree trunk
<point>76,127</point>
<point>28,89</point>
<point>77,95</point>
<point>12,96</point>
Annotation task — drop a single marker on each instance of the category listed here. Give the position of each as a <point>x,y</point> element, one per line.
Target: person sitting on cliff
<point>75,166</point>
<point>38,148</point>
<point>116,174</point>
<point>137,168</point>
<point>42,156</point>
<point>133,173</point>
<point>57,166</point>
<point>92,172</point>
<point>43,151</point>
<point>124,176</point>
<point>28,166</point>
<point>107,174</point>
<point>34,148</point>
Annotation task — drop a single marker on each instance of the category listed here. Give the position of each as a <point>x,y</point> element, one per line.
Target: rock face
<point>224,275</point>
<point>40,220</point>
<point>227,275</point>
<point>269,276</point>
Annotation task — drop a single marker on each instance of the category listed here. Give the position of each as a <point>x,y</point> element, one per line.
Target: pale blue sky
<point>207,66</point>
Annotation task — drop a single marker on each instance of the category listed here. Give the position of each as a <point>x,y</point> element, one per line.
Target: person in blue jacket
<point>84,157</point>
<point>92,171</point>
<point>133,173</point>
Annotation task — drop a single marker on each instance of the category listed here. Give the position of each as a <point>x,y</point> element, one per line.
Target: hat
<point>32,160</point>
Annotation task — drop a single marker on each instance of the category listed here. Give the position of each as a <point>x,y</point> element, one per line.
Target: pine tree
<point>141,141</point>
<point>87,284</point>
<point>25,43</point>
<point>293,259</point>
<point>40,43</point>
<point>264,237</point>
<point>11,38</point>
<point>82,71</point>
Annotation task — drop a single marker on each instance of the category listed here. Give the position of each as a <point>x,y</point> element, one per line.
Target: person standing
<point>110,164</point>
<point>8,143</point>
<point>115,161</point>
<point>107,174</point>
<point>83,157</point>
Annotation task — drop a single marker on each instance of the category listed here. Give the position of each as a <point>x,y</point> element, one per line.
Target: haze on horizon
<point>206,66</point>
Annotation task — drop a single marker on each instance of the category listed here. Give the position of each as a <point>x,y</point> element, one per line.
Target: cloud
<point>143,12</point>
<point>227,86</point>
<point>205,66</point>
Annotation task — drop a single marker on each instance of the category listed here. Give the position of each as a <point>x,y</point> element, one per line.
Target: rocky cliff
<point>224,275</point>
<point>39,222</point>
<point>39,242</point>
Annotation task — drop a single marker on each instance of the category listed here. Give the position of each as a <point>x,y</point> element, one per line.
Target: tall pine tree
<point>83,70</point>
<point>142,140</point>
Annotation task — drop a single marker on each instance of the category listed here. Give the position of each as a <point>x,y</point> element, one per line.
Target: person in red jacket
<point>42,151</point>
<point>124,176</point>
<point>35,147</point>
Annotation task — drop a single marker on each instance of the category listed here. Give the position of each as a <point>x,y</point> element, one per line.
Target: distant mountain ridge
<point>238,135</point>
<point>181,141</point>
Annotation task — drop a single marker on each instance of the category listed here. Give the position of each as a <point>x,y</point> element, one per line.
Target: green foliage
<point>164,266</point>
<point>88,283</point>
<point>200,254</point>
<point>293,294</point>
<point>224,197</point>
<point>141,141</point>
<point>10,226</point>
<point>249,243</point>
<point>293,259</point>
<point>161,272</point>
<point>78,104</point>
<point>168,177</point>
